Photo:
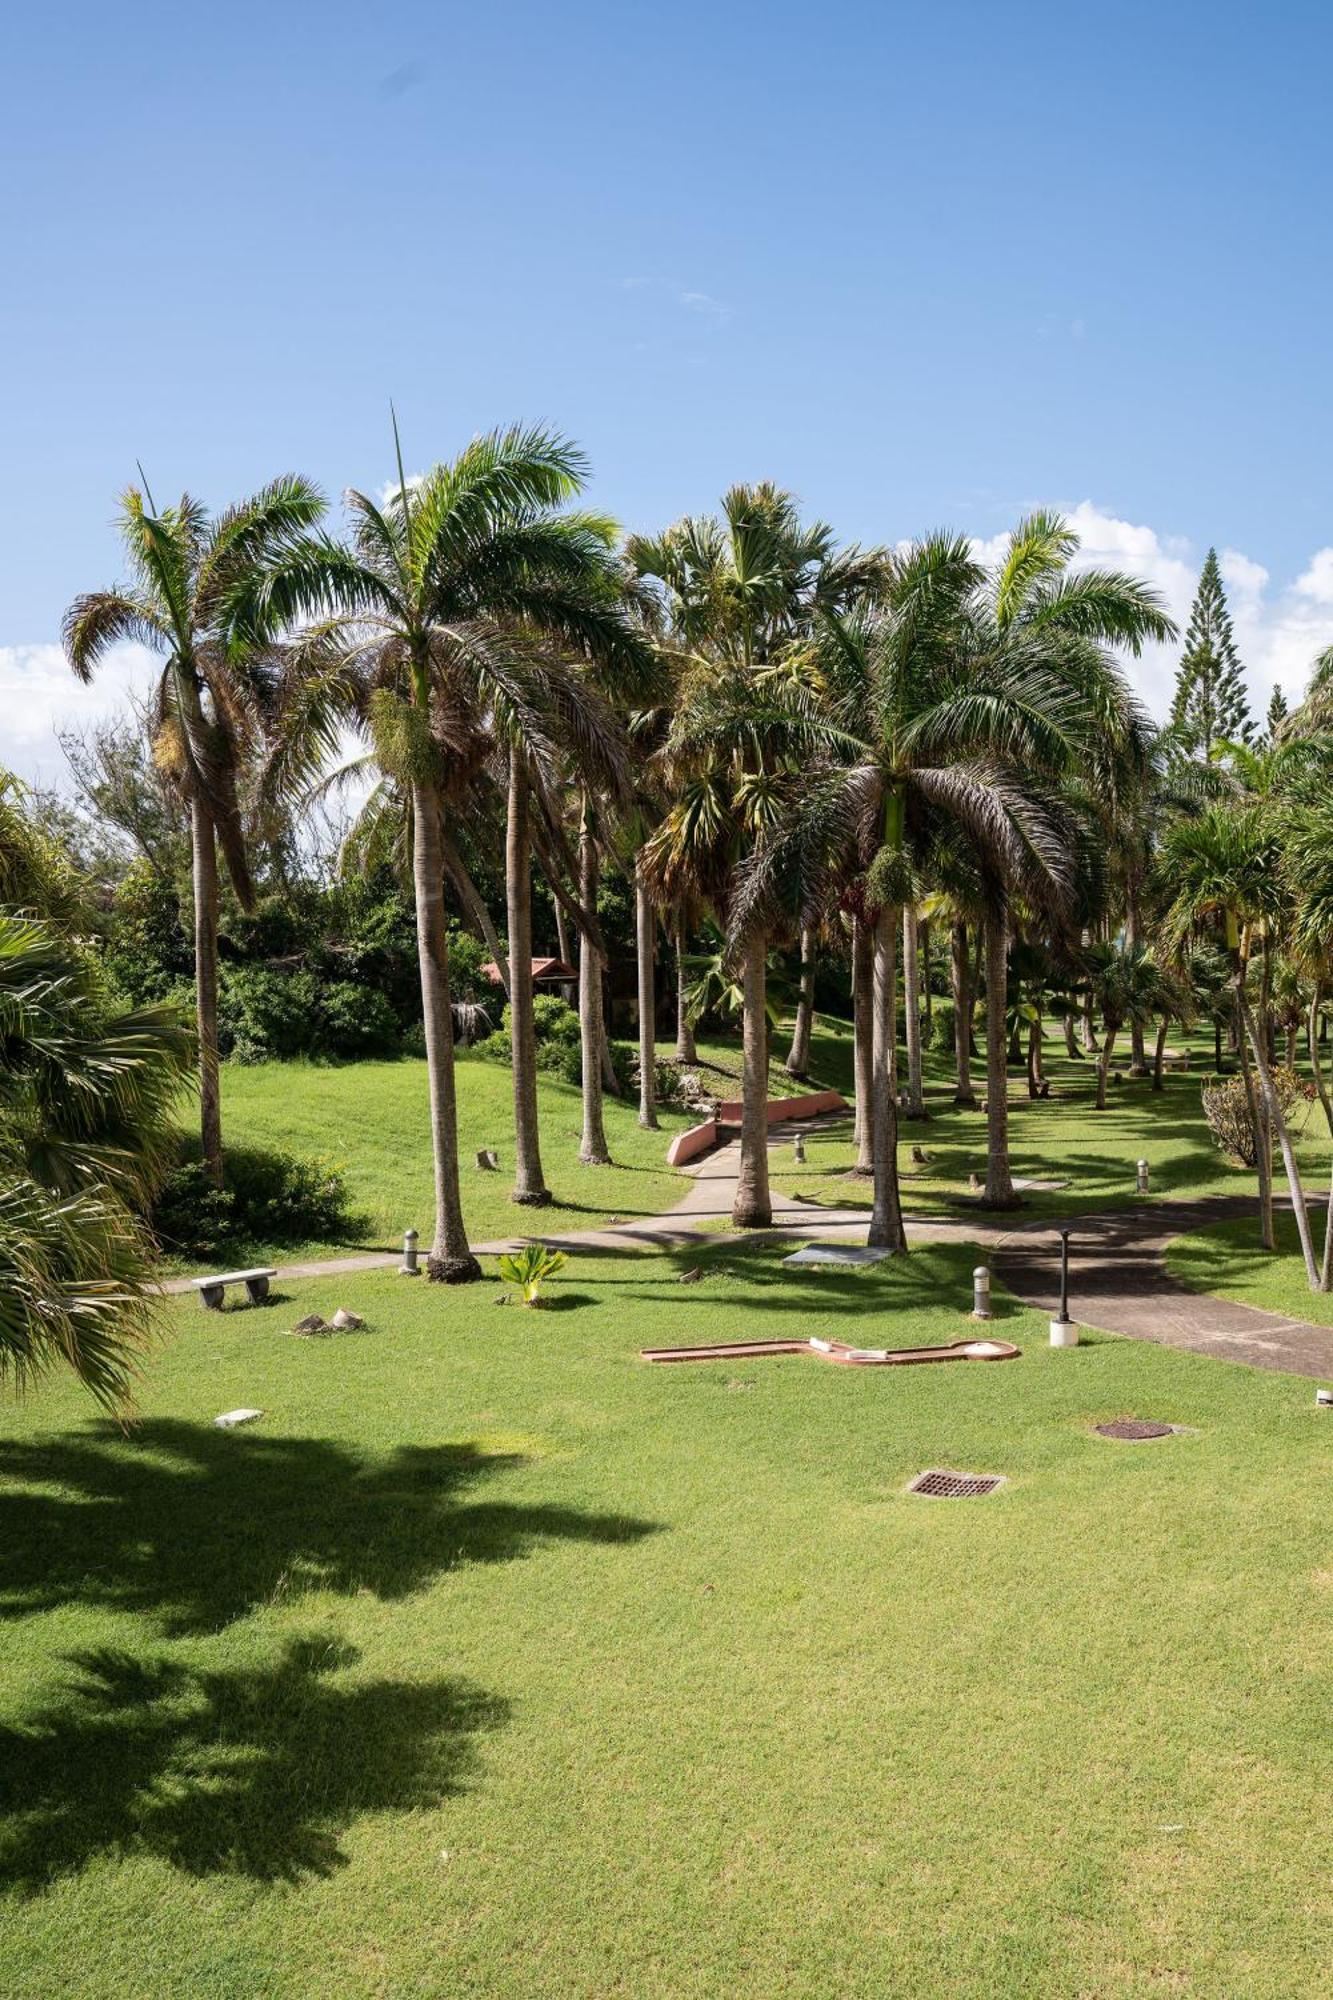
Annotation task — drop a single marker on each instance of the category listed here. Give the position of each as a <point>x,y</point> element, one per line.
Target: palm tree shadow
<point>251,1771</point>
<point>196,1527</point>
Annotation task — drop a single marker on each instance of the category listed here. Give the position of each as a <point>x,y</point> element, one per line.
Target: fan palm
<point>184,568</point>
<point>447,630</point>
<point>86,1097</point>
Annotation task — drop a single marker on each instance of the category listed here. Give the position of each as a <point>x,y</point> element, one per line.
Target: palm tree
<point>184,569</point>
<point>1128,988</point>
<point>739,597</point>
<point>1037,660</point>
<point>446,628</point>
<point>1225,868</point>
<point>86,1103</point>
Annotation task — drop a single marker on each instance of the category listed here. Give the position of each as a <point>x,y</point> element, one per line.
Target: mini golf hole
<point>941,1485</point>
<point>1133,1430</point>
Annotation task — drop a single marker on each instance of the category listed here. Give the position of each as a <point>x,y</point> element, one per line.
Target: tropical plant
<point>86,1095</point>
<point>185,568</point>
<point>445,631</point>
<point>530,1267</point>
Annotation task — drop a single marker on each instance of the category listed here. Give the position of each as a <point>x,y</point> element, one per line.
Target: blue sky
<point>922,265</point>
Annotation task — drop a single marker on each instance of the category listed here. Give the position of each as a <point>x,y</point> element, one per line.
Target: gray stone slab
<point>812,1255</point>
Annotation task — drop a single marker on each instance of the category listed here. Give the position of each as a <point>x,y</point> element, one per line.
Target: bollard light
<point>798,1149</point>
<point>1064,1333</point>
<point>408,1267</point>
<point>981,1293</point>
<point>1142,1182</point>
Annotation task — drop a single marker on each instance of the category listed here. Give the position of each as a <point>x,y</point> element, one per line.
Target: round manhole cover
<point>1131,1431</point>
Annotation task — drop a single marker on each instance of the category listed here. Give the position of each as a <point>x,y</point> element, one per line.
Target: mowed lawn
<point>492,1661</point>
<point>373,1120</point>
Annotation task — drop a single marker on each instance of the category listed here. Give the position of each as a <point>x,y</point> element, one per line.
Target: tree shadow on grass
<point>197,1527</point>
<point>251,1770</point>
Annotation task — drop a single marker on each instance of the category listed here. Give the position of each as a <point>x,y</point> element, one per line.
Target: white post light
<point>1142,1181</point>
<point>408,1267</point>
<point>981,1293</point>
<point>798,1149</point>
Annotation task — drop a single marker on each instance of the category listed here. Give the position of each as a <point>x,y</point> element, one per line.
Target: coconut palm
<point>1128,990</point>
<point>449,629</point>
<point>185,567</point>
<point>86,1102</point>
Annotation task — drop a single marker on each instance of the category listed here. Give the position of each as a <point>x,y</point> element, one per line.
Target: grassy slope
<point>372,1118</point>
<point>494,1663</point>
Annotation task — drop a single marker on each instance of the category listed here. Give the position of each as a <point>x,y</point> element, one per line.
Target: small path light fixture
<point>408,1267</point>
<point>981,1293</point>
<point>1064,1333</point>
<point>1141,1182</point>
<point>798,1149</point>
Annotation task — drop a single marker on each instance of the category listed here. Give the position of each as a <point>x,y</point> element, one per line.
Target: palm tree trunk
<point>960,990</point>
<point>752,1207</point>
<point>1104,1065</point>
<point>204,857</point>
<point>1217,1045</point>
<point>916,1103</point>
<point>530,1189</point>
<point>451,1258</point>
<point>999,1179</point>
<point>1072,1048</point>
<point>886,1220</point>
<point>798,1062</point>
<point>1035,1077</point>
<point>923,935</point>
<point>1159,1054</point>
<point>1138,1066</point>
<point>561,930</point>
<point>1279,1125</point>
<point>646,940</point>
<point>1089,1031</point>
<point>863,1050</point>
<point>685,1049</point>
<point>1263,1149</point>
<point>593,1149</point>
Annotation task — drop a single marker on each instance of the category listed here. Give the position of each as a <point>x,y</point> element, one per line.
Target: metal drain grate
<point>1130,1430</point>
<point>937,1485</point>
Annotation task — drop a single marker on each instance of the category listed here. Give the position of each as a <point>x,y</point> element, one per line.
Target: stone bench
<point>211,1290</point>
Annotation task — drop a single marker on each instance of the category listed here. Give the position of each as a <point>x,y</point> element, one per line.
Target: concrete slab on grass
<point>814,1254</point>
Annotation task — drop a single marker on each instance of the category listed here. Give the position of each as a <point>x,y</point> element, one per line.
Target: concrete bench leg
<point>257,1288</point>
<point>211,1296</point>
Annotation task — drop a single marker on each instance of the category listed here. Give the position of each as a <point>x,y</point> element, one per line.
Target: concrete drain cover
<point>1131,1431</point>
<point>937,1485</point>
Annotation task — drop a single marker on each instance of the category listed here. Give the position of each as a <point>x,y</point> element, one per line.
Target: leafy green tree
<point>185,568</point>
<point>1210,705</point>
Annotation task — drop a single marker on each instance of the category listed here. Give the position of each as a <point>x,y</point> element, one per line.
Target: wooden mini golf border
<point>838,1350</point>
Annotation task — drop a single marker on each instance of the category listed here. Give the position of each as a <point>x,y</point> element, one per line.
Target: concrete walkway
<point>1118,1279</point>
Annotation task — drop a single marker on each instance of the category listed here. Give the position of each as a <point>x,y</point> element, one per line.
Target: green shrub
<point>941,1027</point>
<point>266,1197</point>
<point>264,1015</point>
<point>1226,1107</point>
<point>354,1021</point>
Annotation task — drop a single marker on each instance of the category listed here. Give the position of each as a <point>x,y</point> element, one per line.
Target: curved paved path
<point>1118,1278</point>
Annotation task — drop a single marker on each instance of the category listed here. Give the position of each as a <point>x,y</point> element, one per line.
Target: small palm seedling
<point>530,1267</point>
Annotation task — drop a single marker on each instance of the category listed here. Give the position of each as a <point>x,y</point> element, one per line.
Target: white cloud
<point>1317,580</point>
<point>40,695</point>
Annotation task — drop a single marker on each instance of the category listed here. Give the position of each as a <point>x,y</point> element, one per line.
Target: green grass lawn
<point>494,1662</point>
<point>372,1119</point>
<point>1227,1259</point>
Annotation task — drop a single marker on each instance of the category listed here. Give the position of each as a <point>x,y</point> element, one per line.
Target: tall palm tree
<point>87,1097</point>
<point>185,567</point>
<point>1036,660</point>
<point>740,595</point>
<point>447,626</point>
<point>1128,988</point>
<point>1225,869</point>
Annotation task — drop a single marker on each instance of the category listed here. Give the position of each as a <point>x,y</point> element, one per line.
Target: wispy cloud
<point>40,696</point>
<point>688,298</point>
